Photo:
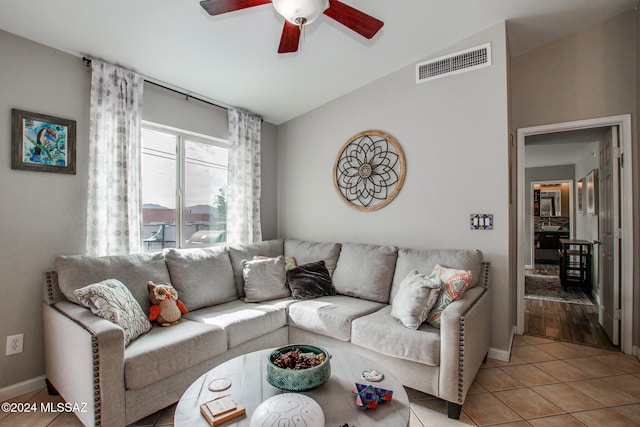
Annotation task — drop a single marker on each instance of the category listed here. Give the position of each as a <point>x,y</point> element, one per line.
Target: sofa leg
<point>50,388</point>
<point>454,410</point>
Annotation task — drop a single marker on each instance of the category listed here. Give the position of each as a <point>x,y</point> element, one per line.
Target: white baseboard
<point>21,388</point>
<point>503,355</point>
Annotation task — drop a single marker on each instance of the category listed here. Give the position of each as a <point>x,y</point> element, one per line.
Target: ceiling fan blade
<point>218,7</point>
<point>365,25</point>
<point>290,39</point>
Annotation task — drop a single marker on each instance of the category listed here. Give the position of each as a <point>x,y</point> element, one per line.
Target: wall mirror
<point>550,204</point>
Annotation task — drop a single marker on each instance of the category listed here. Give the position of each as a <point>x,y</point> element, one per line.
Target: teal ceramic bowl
<point>298,379</point>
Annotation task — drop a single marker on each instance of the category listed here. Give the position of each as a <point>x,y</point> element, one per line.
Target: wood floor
<point>565,322</point>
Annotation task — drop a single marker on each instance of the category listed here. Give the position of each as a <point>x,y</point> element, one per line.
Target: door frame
<point>572,221</point>
<point>626,222</point>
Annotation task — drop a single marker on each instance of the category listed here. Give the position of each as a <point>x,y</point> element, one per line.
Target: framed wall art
<point>580,196</point>
<point>369,170</point>
<point>42,143</point>
<point>592,192</point>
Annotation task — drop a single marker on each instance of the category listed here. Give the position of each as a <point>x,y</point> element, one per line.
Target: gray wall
<point>43,214</point>
<point>585,75</point>
<point>454,134</point>
<point>590,74</point>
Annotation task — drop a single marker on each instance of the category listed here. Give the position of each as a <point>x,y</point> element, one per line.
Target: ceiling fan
<point>298,13</point>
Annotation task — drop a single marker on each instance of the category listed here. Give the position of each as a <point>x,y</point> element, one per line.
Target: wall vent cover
<point>455,63</point>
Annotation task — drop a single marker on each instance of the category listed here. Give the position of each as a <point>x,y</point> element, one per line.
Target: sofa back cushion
<point>424,260</point>
<point>365,271</point>
<point>237,253</point>
<point>202,277</point>
<point>77,271</point>
<point>306,252</point>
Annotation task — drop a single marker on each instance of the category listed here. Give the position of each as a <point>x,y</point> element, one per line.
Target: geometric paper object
<point>368,396</point>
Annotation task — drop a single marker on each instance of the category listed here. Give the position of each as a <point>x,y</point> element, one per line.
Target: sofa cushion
<point>381,333</point>
<point>167,351</point>
<point>264,279</point>
<point>424,260</point>
<point>202,277</point>
<point>310,280</point>
<point>112,300</point>
<point>454,284</point>
<point>77,271</point>
<point>238,253</point>
<point>416,297</point>
<point>331,315</point>
<point>365,271</point>
<point>244,321</point>
<point>305,252</point>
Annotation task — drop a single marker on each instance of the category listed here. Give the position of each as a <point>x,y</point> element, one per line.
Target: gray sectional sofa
<point>87,360</point>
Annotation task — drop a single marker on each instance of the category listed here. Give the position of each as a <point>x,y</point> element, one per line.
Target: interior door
<point>609,223</point>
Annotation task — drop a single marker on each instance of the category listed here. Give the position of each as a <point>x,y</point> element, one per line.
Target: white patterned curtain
<point>243,179</point>
<point>114,219</point>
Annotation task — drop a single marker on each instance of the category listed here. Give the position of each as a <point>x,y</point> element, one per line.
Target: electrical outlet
<point>15,344</point>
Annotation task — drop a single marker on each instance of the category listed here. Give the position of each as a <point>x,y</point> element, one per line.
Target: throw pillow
<point>416,296</point>
<point>310,281</point>
<point>112,300</point>
<point>454,284</point>
<point>264,279</point>
<point>289,261</point>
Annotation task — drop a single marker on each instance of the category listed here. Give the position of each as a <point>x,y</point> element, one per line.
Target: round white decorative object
<point>372,375</point>
<point>220,384</point>
<point>288,409</point>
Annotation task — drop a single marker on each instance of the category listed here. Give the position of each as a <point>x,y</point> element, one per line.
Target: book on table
<point>221,409</point>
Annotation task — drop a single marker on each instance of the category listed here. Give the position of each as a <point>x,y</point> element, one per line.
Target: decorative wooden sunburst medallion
<point>369,170</point>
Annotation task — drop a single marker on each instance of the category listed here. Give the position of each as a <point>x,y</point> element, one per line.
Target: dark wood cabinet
<point>551,239</point>
<point>547,246</point>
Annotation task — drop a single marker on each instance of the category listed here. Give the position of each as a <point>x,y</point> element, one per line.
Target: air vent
<point>455,63</point>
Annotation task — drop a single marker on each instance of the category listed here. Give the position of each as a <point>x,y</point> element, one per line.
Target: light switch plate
<point>481,222</point>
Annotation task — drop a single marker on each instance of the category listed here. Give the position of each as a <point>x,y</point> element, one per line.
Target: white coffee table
<point>250,387</point>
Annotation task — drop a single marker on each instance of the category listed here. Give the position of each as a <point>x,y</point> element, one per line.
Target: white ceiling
<point>232,58</point>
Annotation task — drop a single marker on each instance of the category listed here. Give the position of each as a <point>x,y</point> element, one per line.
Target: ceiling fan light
<point>300,12</point>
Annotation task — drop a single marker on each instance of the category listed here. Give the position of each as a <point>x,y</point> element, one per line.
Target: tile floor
<point>546,384</point>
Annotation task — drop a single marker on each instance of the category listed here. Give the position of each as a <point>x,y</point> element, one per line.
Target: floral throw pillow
<point>454,284</point>
<point>112,300</point>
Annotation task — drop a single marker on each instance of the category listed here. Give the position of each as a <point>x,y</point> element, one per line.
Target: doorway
<point>623,310</point>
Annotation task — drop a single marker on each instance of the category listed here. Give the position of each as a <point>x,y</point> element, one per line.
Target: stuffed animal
<point>165,307</point>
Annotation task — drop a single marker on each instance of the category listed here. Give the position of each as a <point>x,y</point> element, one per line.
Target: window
<point>184,179</point>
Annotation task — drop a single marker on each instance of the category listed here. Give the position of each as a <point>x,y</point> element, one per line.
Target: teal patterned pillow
<point>112,300</point>
<point>454,284</point>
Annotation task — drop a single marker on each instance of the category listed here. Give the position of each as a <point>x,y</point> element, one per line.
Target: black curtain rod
<point>87,61</point>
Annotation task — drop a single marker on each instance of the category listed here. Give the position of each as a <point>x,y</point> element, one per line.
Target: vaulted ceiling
<point>232,58</point>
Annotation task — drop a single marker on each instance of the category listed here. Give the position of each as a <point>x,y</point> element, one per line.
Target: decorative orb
<point>288,409</point>
<point>298,379</point>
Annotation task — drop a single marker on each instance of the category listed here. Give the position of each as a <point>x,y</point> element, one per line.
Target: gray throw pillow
<point>264,279</point>
<point>112,300</point>
<point>311,280</point>
<point>416,296</point>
